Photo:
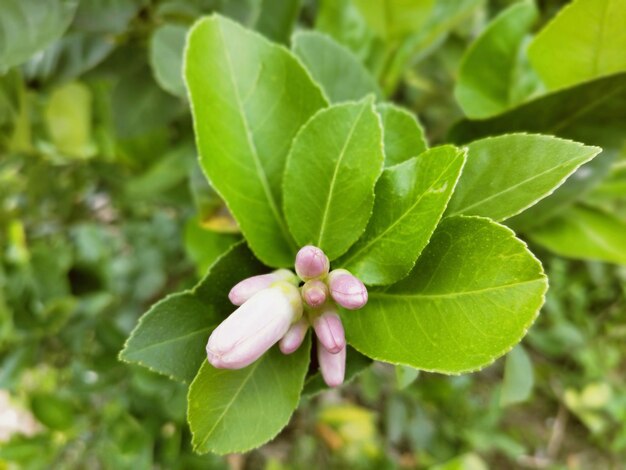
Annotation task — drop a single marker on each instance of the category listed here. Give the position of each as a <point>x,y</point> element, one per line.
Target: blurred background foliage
<point>103,210</point>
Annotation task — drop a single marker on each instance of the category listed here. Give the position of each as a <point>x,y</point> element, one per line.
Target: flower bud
<point>248,287</point>
<point>314,293</point>
<point>311,262</point>
<point>294,337</point>
<point>329,330</point>
<point>254,327</point>
<point>346,289</point>
<point>332,366</point>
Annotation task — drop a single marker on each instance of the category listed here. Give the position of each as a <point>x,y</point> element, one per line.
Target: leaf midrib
<point>374,294</point>
<point>333,180</point>
<point>403,216</point>
<point>230,403</point>
<point>251,144</point>
<point>576,164</point>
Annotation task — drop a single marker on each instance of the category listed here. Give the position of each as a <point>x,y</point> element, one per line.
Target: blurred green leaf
<point>584,233</point>
<point>326,60</point>
<point>460,318</point>
<point>166,57</point>
<point>28,26</point>
<point>402,134</point>
<point>410,200</point>
<point>518,380</point>
<point>53,411</point>
<point>223,403</point>
<point>492,77</point>
<point>256,117</point>
<point>346,140</point>
<point>505,175</point>
<point>393,19</point>
<point>277,18</point>
<point>586,40</point>
<point>170,338</point>
<point>405,376</point>
<point>68,116</point>
<point>204,246</point>
<point>106,16</point>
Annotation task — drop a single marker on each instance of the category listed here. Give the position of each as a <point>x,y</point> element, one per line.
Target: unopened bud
<point>329,330</point>
<point>245,289</point>
<point>294,337</point>
<point>314,293</point>
<point>332,366</point>
<point>254,327</point>
<point>347,290</point>
<point>311,262</point>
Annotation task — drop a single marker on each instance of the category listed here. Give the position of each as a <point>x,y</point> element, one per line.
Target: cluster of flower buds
<point>280,306</point>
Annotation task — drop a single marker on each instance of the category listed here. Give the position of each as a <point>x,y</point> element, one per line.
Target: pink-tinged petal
<point>332,366</point>
<point>347,290</point>
<point>329,330</point>
<point>314,293</point>
<point>311,262</point>
<point>294,337</point>
<point>245,289</point>
<point>254,327</point>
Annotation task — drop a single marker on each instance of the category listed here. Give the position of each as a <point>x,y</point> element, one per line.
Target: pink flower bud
<point>254,327</point>
<point>311,262</point>
<point>248,287</point>
<point>314,293</point>
<point>346,289</point>
<point>294,337</point>
<point>329,330</point>
<point>332,366</point>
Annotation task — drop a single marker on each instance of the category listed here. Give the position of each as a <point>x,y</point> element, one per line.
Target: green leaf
<point>170,338</point>
<point>471,297</point>
<point>106,16</point>
<point>249,98</point>
<point>506,174</point>
<point>28,26</point>
<point>518,377</point>
<point>584,233</point>
<point>490,74</point>
<point>331,171</point>
<point>53,411</point>
<point>403,135</point>
<point>166,57</point>
<point>410,199</point>
<point>405,376</point>
<point>238,410</point>
<point>205,246</point>
<point>277,19</point>
<point>68,57</point>
<point>68,118</point>
<point>594,113</point>
<point>392,19</point>
<point>334,67</point>
<point>586,40</point>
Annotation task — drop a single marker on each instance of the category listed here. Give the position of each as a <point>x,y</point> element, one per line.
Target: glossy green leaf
<point>585,40</point>
<point>471,297</point>
<point>490,76</point>
<point>170,338</point>
<point>28,26</point>
<point>518,377</point>
<point>277,18</point>
<point>330,175</point>
<point>403,135</point>
<point>166,57</point>
<point>334,67</point>
<point>584,233</point>
<point>593,113</point>
<point>410,199</point>
<point>245,118</point>
<point>238,410</point>
<point>506,174</point>
<point>392,19</point>
<point>68,118</point>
